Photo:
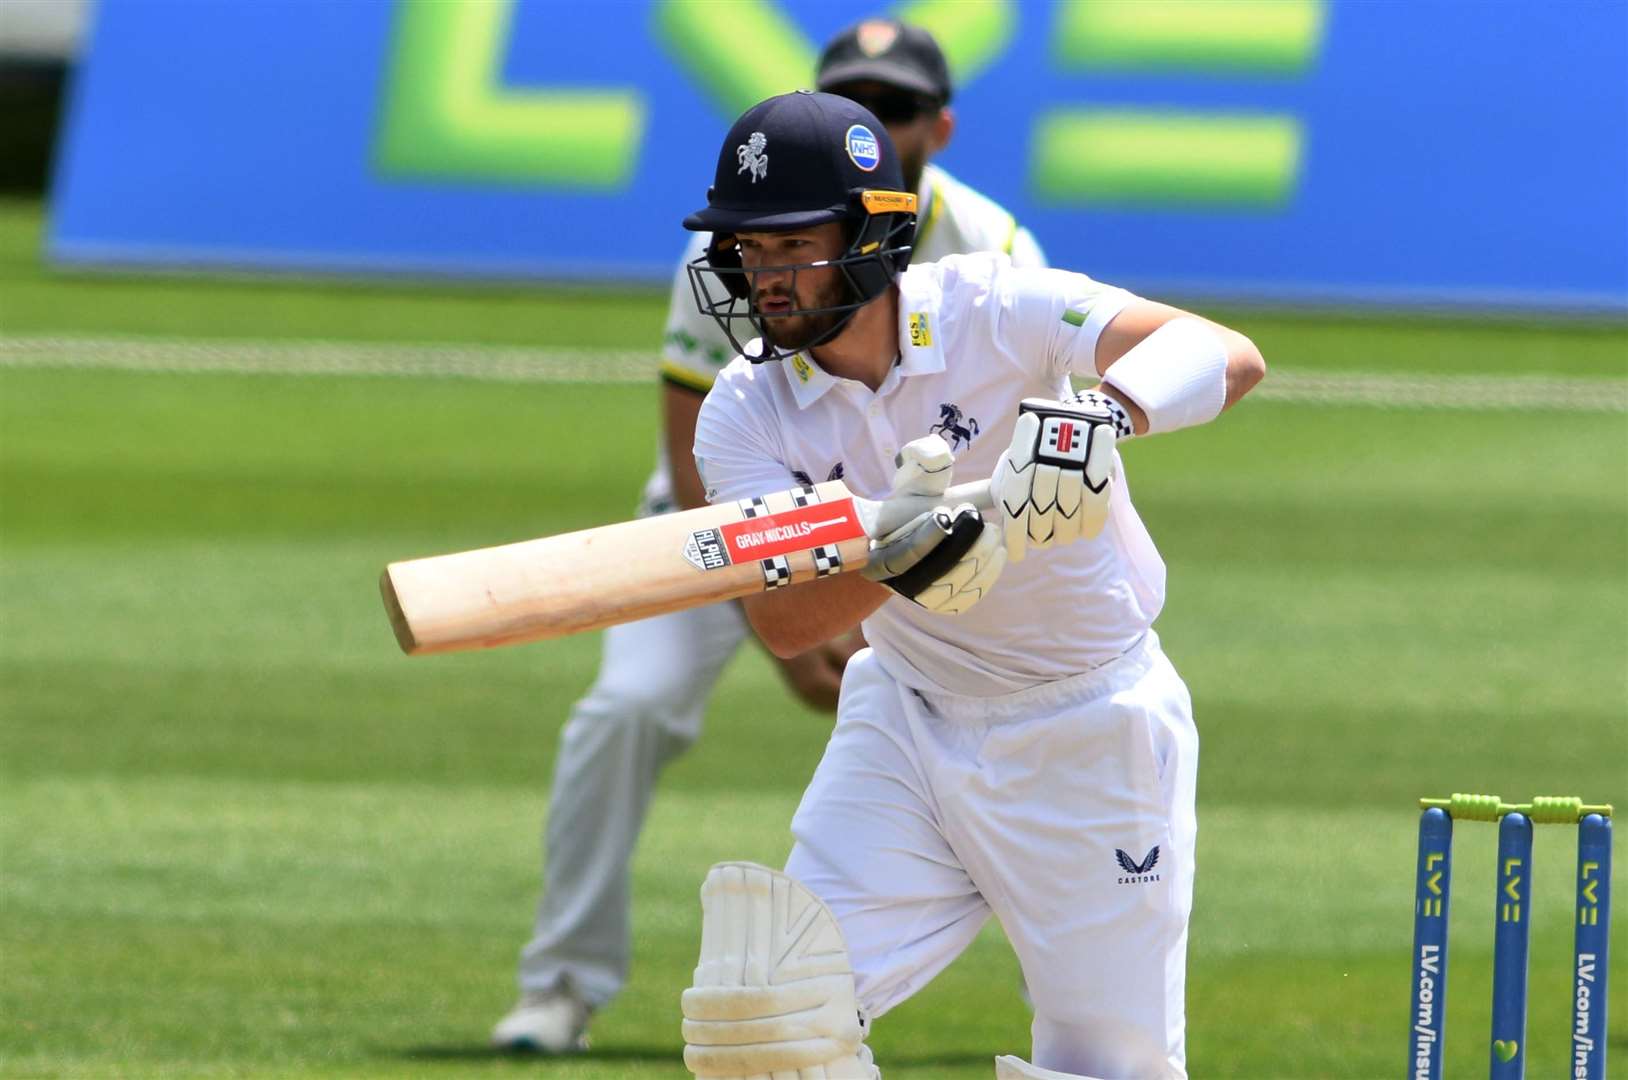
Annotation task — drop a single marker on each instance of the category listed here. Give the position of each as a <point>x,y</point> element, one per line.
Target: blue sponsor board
<point>1355,152</point>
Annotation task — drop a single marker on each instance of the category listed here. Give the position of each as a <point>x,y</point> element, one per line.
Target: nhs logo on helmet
<point>862,148</point>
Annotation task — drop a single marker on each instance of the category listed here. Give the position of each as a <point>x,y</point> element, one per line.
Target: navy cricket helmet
<point>794,162</point>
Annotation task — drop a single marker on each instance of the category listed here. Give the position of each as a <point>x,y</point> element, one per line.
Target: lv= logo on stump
<point>1511,930</point>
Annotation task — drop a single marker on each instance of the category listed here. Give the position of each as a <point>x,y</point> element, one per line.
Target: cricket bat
<point>588,580</point>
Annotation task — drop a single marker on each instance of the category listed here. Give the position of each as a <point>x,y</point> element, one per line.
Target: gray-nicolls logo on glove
<point>1051,485</point>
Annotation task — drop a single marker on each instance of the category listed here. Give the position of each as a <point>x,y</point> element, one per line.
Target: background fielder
<point>655,676</point>
<point>1033,757</point>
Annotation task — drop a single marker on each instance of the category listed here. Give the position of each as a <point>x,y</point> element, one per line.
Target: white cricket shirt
<point>954,218</point>
<point>976,336</point>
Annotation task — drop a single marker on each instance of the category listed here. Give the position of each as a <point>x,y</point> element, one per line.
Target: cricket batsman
<point>655,676</point>
<point>1013,742</point>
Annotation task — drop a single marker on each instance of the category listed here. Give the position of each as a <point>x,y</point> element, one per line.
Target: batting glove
<point>1051,485</point>
<point>923,467</point>
<point>944,560</point>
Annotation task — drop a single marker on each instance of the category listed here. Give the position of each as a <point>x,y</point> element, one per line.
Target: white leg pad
<point>1008,1067</point>
<point>774,988</point>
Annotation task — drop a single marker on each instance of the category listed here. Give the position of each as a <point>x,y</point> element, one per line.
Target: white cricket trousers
<point>1066,810</point>
<point>645,709</point>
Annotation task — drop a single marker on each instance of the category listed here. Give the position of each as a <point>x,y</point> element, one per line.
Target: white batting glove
<point>1051,484</point>
<point>945,560</point>
<point>923,467</point>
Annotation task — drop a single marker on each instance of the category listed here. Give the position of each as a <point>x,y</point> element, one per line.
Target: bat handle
<point>890,514</point>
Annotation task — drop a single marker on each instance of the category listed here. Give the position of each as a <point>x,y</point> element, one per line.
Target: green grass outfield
<point>240,835</point>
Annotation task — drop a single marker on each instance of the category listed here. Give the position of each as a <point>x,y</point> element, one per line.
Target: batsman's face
<point>783,282</point>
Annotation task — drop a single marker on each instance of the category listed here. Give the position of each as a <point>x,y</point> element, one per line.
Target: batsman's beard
<point>793,333</point>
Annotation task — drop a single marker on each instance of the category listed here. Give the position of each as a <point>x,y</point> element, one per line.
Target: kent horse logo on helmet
<point>834,164</point>
<point>752,158</point>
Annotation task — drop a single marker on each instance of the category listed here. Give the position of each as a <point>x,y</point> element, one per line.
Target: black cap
<point>797,160</point>
<point>886,51</point>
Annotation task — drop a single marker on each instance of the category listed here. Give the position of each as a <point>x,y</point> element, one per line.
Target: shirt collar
<point>808,381</point>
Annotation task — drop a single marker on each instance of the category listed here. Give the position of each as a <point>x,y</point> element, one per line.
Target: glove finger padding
<point>1051,484</point>
<point>944,559</point>
<point>1068,523</point>
<point>1010,477</point>
<point>1014,473</point>
<point>1099,473</point>
<point>1043,513</point>
<point>970,578</point>
<point>923,467</point>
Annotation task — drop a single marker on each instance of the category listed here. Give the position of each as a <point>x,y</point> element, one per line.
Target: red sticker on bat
<point>792,530</point>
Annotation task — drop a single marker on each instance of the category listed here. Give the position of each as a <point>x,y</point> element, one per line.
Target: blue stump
<point>1430,895</point>
<point>1589,956</point>
<point>1512,934</point>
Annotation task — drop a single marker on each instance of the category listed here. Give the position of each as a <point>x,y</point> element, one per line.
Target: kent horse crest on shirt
<point>950,426</point>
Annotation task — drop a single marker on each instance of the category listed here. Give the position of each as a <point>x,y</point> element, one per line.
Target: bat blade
<point>587,580</point>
